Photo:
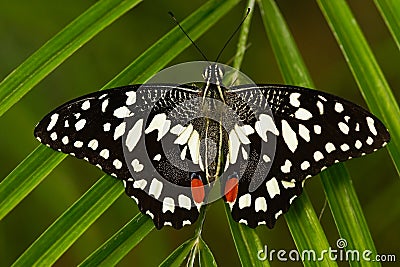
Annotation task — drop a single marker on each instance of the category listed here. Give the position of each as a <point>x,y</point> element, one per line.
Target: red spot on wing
<point>197,190</point>
<point>231,189</point>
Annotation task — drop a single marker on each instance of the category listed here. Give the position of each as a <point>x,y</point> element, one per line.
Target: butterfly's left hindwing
<point>98,128</point>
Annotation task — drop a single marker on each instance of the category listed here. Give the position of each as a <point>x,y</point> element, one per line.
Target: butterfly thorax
<point>213,88</point>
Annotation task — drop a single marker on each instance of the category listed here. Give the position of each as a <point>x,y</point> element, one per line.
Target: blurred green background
<point>27,25</point>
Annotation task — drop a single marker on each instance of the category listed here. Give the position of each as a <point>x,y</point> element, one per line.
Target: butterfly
<point>171,144</point>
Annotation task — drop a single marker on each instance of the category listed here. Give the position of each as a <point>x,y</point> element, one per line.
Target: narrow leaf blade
<point>59,48</point>
<point>121,243</point>
<point>70,225</point>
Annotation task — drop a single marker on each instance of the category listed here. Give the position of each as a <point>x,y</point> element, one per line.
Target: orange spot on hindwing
<point>231,189</point>
<point>198,193</point>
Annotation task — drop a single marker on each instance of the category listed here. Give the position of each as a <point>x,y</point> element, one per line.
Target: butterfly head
<point>213,74</point>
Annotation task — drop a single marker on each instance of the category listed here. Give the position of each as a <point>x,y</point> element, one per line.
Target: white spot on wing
<point>266,158</point>
<point>107,127</point>
<point>247,129</point>
<point>105,153</point>
<point>304,132</point>
<point>234,145</point>
<point>65,140</point>
<point>243,221</point>
<point>279,213</point>
<point>140,184</point>
<point>137,202</point>
<point>371,125</point>
<point>102,96</point>
<point>93,144</point>
<point>289,136</point>
<point>305,165</point>
<point>155,188</point>
<point>287,184</point>
<point>265,124</point>
<point>134,135</point>
<point>168,205</point>
<point>273,187</point>
<point>241,135</point>
<point>186,222</point>
<point>260,204</point>
<point>329,147</point>
<point>183,153</point>
<point>136,165</point>
<point>159,123</point>
<point>318,156</point>
<point>201,165</point>
<point>245,201</point>
<point>358,144</point>
<point>245,154</point>
<point>320,107</point>
<point>131,98</point>
<point>80,124</point>
<point>369,140</point>
<point>194,146</point>
<point>184,202</point>
<point>104,105</point>
<point>338,107</point>
<point>85,105</point>
<point>117,164</point>
<point>286,167</point>
<point>53,136</point>
<point>122,112</point>
<point>53,121</point>
<point>157,157</point>
<point>343,127</point>
<point>302,114</point>
<point>149,213</point>
<point>344,147</point>
<point>294,99</point>
<point>177,129</point>
<point>184,135</point>
<point>119,130</point>
<point>317,129</point>
<point>78,144</point>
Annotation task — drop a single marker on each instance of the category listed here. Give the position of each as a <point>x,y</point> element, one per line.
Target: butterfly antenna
<point>233,34</point>
<point>187,35</point>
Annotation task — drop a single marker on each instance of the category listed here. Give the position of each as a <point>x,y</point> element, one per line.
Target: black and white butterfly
<point>312,131</point>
